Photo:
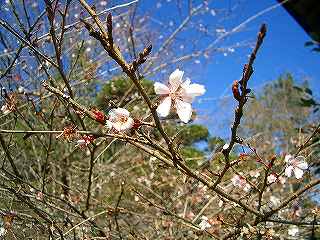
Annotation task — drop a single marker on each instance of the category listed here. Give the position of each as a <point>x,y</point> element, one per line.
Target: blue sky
<point>282,51</point>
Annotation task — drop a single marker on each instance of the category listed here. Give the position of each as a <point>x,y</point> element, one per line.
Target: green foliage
<point>114,90</point>
<point>307,99</point>
<point>277,112</point>
<point>215,143</point>
<point>193,133</point>
<point>192,155</point>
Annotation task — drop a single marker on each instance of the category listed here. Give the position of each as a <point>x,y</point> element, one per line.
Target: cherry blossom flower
<point>2,231</point>
<point>5,109</point>
<point>204,224</point>
<point>120,120</point>
<point>239,181</point>
<point>254,173</point>
<point>225,146</point>
<point>39,196</point>
<point>295,165</point>
<point>282,180</point>
<point>293,231</point>
<point>178,94</point>
<point>272,178</point>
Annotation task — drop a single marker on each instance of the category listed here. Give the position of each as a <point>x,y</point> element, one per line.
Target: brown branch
<point>247,72</point>
<point>242,99</point>
<point>9,157</point>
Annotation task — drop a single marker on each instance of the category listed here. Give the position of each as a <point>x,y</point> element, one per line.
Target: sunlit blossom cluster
<point>294,166</point>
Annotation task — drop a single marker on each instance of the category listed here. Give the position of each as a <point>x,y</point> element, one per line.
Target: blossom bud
<point>235,90</point>
<point>136,124</point>
<point>100,117</point>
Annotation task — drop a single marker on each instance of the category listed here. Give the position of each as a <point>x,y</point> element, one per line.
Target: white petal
<point>5,110</point>
<point>288,158</point>
<point>175,79</point>
<point>293,230</point>
<point>225,146</point>
<point>117,126</point>
<point>108,124</point>
<point>127,125</point>
<point>298,173</point>
<point>247,188</point>
<point>288,171</point>
<point>300,159</point>
<point>121,112</point>
<point>160,88</point>
<point>81,142</point>
<point>271,178</point>
<point>112,115</point>
<point>186,83</point>
<point>184,110</point>
<point>195,90</point>
<point>302,165</point>
<point>115,113</point>
<point>164,108</point>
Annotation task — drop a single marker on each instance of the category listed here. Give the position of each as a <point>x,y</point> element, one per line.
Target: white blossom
<point>5,109</point>
<point>119,119</point>
<point>247,187</point>
<point>282,180</point>
<point>272,178</point>
<point>204,224</point>
<point>225,146</point>
<point>254,173</point>
<point>178,94</point>
<point>2,231</point>
<point>239,181</point>
<point>296,165</point>
<point>21,90</point>
<point>293,231</point>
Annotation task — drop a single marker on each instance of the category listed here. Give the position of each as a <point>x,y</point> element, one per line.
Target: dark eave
<point>307,14</point>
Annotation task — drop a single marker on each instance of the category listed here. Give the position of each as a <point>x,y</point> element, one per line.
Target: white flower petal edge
<point>298,173</point>
<point>123,126</point>
<point>293,230</point>
<point>161,89</point>
<point>175,79</point>
<point>302,165</point>
<point>164,108</point>
<point>288,171</point>
<point>194,90</point>
<point>184,110</point>
<point>288,158</point>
